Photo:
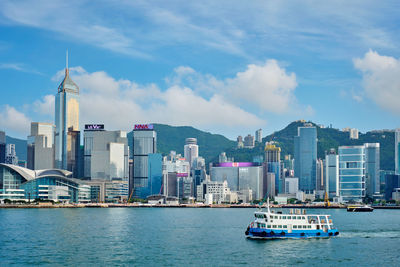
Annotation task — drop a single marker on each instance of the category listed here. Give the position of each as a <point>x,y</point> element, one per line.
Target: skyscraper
<point>2,147</point>
<point>144,143</point>
<point>332,173</point>
<point>259,135</point>
<point>305,157</point>
<point>352,173</point>
<point>11,156</point>
<point>397,150</point>
<point>272,163</point>
<point>106,154</point>
<point>67,123</point>
<point>191,150</point>
<point>372,166</point>
<point>41,146</point>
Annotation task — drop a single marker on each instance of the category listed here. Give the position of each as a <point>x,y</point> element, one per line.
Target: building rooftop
<point>68,85</point>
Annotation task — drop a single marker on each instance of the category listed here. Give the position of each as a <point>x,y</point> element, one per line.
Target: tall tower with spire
<point>67,135</point>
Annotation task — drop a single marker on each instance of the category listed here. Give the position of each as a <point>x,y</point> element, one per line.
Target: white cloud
<point>44,106</point>
<point>14,121</point>
<point>381,79</point>
<point>268,86</point>
<point>121,103</point>
<point>18,67</point>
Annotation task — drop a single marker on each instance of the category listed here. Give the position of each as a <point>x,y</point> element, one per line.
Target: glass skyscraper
<point>372,166</point>
<point>273,164</point>
<point>397,150</point>
<point>352,173</point>
<point>67,124</point>
<point>144,143</point>
<point>305,157</point>
<point>332,173</point>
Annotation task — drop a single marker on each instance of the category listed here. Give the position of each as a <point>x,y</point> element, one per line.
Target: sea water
<point>187,237</point>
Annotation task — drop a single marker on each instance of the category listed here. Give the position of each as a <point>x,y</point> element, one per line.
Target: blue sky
<point>227,67</point>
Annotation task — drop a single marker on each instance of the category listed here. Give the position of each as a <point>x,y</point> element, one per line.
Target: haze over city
<point>220,67</point>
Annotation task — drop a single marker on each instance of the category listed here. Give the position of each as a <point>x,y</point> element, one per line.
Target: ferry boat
<point>355,208</point>
<point>268,224</point>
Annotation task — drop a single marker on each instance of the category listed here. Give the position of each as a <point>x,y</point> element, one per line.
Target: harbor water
<point>187,237</point>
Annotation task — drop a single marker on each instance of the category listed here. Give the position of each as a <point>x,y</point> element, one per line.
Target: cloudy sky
<point>227,67</point>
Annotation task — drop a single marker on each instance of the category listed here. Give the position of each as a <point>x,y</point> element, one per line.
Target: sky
<point>227,67</point>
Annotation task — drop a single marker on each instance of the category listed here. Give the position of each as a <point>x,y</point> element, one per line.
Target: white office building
<point>106,155</point>
<point>41,146</point>
<point>191,150</point>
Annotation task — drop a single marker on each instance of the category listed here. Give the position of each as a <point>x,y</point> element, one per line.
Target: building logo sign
<point>143,127</point>
<point>94,127</point>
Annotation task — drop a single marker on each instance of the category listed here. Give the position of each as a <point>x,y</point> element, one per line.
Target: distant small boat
<point>356,208</point>
<point>295,224</point>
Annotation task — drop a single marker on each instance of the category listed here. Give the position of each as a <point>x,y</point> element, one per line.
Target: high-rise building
<point>291,185</point>
<point>332,173</point>
<point>40,148</point>
<point>154,178</point>
<point>106,154</point>
<point>191,150</point>
<point>353,132</point>
<point>305,157</point>
<point>372,166</point>
<point>2,147</point>
<point>67,123</point>
<point>144,143</point>
<point>272,162</point>
<point>11,156</point>
<point>319,184</point>
<point>222,158</point>
<point>240,176</point>
<point>249,141</point>
<point>397,150</point>
<point>259,135</point>
<point>352,173</point>
<point>175,170</point>
<point>240,141</point>
<point>392,181</point>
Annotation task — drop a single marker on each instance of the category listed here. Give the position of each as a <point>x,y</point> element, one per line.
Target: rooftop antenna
<point>66,63</point>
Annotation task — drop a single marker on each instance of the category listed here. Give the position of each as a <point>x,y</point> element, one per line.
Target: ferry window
<point>303,218</point>
<point>294,226</point>
<point>279,226</point>
<point>276,217</point>
<point>284,217</point>
<point>289,217</point>
<point>285,226</point>
<point>271,217</point>
<point>268,226</point>
<point>309,226</point>
<point>304,226</point>
<point>273,226</point>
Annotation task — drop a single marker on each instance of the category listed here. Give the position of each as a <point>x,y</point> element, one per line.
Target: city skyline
<point>210,59</point>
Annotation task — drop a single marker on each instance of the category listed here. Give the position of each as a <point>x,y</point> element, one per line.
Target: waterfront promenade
<point>146,205</point>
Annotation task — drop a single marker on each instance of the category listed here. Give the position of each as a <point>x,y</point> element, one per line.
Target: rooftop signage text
<point>94,127</point>
<point>143,127</point>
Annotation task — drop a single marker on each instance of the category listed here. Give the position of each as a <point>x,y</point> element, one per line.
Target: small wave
<point>371,234</point>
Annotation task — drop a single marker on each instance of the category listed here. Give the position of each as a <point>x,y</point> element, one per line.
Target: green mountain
<point>327,138</point>
<point>333,138</point>
<point>173,138</point>
<point>210,145</point>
